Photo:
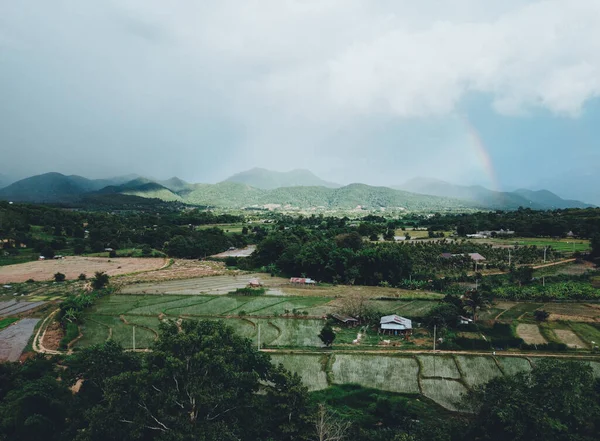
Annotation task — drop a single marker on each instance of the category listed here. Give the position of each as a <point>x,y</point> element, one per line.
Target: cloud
<point>231,83</point>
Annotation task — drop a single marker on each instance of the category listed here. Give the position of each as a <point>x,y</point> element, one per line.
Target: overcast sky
<point>355,90</point>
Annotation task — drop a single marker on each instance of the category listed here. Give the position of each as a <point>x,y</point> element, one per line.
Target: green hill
<point>269,180</point>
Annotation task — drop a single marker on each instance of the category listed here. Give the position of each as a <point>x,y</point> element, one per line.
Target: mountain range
<point>540,199</point>
<point>298,188</point>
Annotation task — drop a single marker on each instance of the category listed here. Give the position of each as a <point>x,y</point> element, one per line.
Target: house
<point>108,249</point>
<point>345,319</point>
<point>302,281</point>
<point>42,258</point>
<point>254,283</point>
<point>395,325</point>
<point>464,320</point>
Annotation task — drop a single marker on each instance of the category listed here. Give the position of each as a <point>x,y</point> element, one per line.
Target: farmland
<point>73,266</point>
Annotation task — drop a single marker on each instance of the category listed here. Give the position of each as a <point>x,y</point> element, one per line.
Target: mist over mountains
<point>295,189</point>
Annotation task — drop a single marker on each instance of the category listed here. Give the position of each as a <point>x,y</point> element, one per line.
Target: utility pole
<point>133,338</point>
<point>509,257</point>
<point>259,336</point>
<point>434,332</point>
<point>545,248</point>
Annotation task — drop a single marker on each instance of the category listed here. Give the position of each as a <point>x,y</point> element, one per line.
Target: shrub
<point>71,333</point>
<point>82,277</point>
<point>30,281</point>
<point>541,315</point>
<point>112,254</point>
<point>59,277</point>
<point>100,280</point>
<point>248,291</point>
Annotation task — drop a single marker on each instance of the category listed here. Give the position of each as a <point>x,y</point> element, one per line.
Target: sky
<point>503,94</point>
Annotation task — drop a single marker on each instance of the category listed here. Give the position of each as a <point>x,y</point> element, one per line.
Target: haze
<point>503,94</point>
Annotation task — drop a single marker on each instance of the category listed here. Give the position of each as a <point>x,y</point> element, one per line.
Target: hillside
<point>476,194</point>
<point>54,188</point>
<point>583,184</point>
<point>268,180</point>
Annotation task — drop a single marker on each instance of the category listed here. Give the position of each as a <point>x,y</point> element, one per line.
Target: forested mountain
<point>537,200</point>
<point>55,187</point>
<point>269,180</point>
<point>420,194</point>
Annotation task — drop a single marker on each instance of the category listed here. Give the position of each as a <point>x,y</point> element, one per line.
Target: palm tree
<point>474,300</point>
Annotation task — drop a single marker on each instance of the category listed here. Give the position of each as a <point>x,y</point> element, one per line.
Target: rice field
<point>518,310</point>
<point>587,332</point>
<point>309,367</point>
<point>477,370</point>
<point>393,374</point>
<point>513,365</point>
<point>447,393</point>
<point>438,366</point>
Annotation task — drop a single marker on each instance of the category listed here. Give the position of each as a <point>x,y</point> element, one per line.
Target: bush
<point>112,254</point>
<point>71,333</point>
<point>82,277</point>
<point>248,291</point>
<point>30,281</point>
<point>550,347</point>
<point>59,277</point>
<point>470,343</point>
<point>541,315</point>
<point>100,280</point>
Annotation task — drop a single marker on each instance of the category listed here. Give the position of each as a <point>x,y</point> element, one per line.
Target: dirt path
<point>38,345</point>
<point>430,352</point>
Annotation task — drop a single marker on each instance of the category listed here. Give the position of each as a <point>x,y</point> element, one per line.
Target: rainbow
<point>476,143</point>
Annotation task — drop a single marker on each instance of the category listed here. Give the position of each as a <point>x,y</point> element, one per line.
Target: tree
<point>595,244</point>
<point>522,275</point>
<point>48,252</point>
<point>475,300</point>
<point>541,315</point>
<point>328,426</point>
<point>146,250</point>
<point>558,400</point>
<point>100,280</point>
<point>82,276</point>
<point>445,315</point>
<point>327,335</point>
<point>59,277</point>
<point>201,381</point>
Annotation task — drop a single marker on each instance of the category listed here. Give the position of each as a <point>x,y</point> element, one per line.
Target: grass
<point>587,332</point>
<point>6,322</point>
<point>519,310</point>
<point>393,374</point>
<point>562,245</point>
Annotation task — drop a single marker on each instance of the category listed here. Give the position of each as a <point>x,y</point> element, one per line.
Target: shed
<point>254,283</point>
<point>464,320</point>
<point>394,324</point>
<point>345,319</point>
<point>302,281</point>
<point>476,257</point>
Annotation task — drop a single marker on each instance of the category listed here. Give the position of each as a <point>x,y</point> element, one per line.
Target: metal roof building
<point>395,323</point>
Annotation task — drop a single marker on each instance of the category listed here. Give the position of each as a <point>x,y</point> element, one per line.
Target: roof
<point>476,256</point>
<point>344,318</point>
<point>301,280</point>
<point>395,322</point>
<point>446,255</point>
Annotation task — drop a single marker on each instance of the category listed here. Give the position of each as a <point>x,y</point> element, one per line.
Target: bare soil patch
<point>569,338</point>
<point>179,269</point>
<point>573,318</point>
<point>72,266</point>
<point>530,334</point>
<point>574,310</point>
<point>52,337</point>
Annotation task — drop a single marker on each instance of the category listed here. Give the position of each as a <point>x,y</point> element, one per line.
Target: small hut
<point>345,319</point>
<point>395,325</point>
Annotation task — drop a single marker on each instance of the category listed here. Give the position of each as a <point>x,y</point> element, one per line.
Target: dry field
<point>569,338</point>
<point>530,334</point>
<point>220,284</point>
<point>73,266</point>
<point>177,270</point>
<point>13,307</point>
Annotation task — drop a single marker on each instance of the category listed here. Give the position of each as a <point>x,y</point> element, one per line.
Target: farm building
<point>345,319</point>
<point>476,257</point>
<point>464,320</point>
<point>254,283</point>
<point>302,281</point>
<point>395,325</point>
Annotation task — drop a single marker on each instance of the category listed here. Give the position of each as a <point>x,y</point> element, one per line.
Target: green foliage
<point>59,277</point>
<point>7,321</point>
<point>100,280</point>
<point>556,400</point>
<point>82,276</point>
<point>541,315</point>
<point>71,333</point>
<point>247,291</point>
<point>327,335</point>
<point>551,291</point>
